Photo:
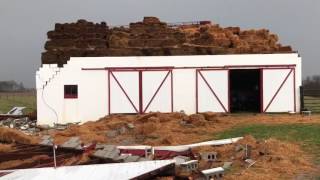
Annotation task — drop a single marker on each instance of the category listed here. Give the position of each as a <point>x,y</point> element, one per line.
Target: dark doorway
<point>245,90</point>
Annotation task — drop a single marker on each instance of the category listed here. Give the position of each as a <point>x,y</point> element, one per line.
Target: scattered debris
<point>250,162</point>
<point>15,111</point>
<point>181,159</point>
<point>227,165</point>
<point>46,140</point>
<point>73,143</point>
<point>108,152</point>
<point>16,119</point>
<point>25,124</point>
<point>247,152</point>
<point>130,126</point>
<point>214,173</point>
<point>209,156</point>
<point>77,146</point>
<point>189,166</point>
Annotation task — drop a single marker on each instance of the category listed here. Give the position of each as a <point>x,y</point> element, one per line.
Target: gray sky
<point>24,24</point>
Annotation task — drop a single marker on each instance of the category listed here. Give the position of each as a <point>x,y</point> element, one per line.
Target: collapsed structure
<point>145,67</point>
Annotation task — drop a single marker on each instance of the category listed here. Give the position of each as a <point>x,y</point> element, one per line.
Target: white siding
<point>92,102</point>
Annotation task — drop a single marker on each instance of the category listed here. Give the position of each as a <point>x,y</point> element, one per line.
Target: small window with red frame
<point>70,91</point>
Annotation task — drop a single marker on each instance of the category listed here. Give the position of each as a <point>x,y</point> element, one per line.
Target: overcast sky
<point>24,24</point>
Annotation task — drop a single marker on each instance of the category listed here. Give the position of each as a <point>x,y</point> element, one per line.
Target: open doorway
<point>245,90</point>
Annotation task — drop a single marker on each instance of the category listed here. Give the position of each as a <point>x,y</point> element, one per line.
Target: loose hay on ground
<point>11,136</point>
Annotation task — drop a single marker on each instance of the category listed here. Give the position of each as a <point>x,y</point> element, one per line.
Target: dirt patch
<point>11,136</point>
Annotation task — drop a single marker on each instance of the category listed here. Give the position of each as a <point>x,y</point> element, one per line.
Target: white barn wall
<point>92,102</point>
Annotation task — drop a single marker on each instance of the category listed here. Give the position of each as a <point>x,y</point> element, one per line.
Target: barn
<point>88,88</point>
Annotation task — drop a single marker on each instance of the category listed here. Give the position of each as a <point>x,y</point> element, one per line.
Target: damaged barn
<point>206,68</point>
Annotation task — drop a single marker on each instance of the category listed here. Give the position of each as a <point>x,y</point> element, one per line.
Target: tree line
<point>11,86</point>
<point>312,82</point>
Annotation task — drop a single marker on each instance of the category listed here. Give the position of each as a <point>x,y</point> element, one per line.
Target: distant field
<point>9,100</point>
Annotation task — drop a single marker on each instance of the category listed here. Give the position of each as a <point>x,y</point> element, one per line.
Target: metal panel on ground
<point>123,92</point>
<point>212,90</point>
<point>279,90</point>
<point>157,91</point>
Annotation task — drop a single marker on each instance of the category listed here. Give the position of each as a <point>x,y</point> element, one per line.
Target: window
<point>70,91</point>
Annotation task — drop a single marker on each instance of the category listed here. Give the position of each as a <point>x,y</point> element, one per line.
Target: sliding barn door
<point>212,90</point>
<point>278,90</point>
<point>157,91</point>
<point>140,91</point>
<point>123,92</point>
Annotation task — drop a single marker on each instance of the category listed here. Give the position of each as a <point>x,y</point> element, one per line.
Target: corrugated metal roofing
<point>116,171</point>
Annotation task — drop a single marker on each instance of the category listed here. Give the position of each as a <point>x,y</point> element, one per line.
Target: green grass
<point>8,103</point>
<point>307,135</point>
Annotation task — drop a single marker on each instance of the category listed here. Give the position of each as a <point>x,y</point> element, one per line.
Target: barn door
<point>123,91</point>
<point>279,90</point>
<point>140,91</point>
<point>212,90</point>
<point>157,91</point>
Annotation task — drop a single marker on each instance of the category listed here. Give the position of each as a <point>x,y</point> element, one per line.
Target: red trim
<point>265,65</point>
<point>229,92</point>
<point>141,68</point>
<point>278,90</point>
<point>136,152</point>
<point>294,90</point>
<point>161,68</point>
<point>212,91</point>
<point>171,90</point>
<point>109,96</point>
<point>197,95</point>
<point>140,93</point>
<point>68,96</point>
<point>134,70</point>
<point>154,95</point>
<point>261,90</point>
<point>124,92</point>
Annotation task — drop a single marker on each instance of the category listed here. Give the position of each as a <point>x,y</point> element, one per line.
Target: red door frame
<point>199,74</point>
<point>141,108</point>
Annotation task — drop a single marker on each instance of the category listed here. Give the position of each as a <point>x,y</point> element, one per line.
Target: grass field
<point>307,135</point>
<point>9,101</point>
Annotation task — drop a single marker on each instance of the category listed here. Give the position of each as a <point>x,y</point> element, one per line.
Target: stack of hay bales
<point>75,40</point>
<point>153,33</point>
<point>151,37</point>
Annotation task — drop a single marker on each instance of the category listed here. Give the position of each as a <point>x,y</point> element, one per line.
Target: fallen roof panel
<point>117,171</point>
